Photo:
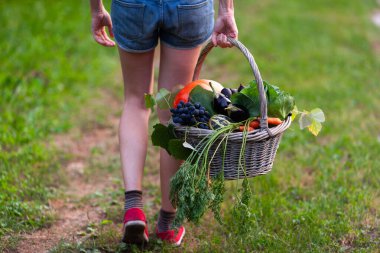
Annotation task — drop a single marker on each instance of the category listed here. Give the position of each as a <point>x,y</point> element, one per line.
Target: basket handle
<point>256,73</point>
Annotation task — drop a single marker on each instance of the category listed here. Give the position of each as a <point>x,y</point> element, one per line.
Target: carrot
<point>249,129</point>
<point>274,121</point>
<point>255,124</point>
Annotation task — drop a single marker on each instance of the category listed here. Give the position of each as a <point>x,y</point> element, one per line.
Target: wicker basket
<point>261,144</point>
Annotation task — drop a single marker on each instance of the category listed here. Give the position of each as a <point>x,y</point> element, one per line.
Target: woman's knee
<point>135,102</point>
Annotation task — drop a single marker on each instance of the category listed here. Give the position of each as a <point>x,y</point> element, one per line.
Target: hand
<point>225,26</point>
<point>100,20</point>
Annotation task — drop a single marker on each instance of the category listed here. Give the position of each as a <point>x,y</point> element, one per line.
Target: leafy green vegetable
<point>178,150</point>
<point>204,97</point>
<point>163,136</point>
<point>191,201</point>
<point>217,190</point>
<point>192,190</point>
<point>251,104</point>
<point>280,103</point>
<point>242,212</point>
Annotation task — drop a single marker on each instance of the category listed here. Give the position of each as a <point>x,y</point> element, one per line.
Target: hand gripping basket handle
<point>256,73</point>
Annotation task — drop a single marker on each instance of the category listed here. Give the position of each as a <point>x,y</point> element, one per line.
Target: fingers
<point>108,41</point>
<point>225,26</point>
<point>110,31</point>
<point>213,39</point>
<point>109,26</point>
<point>99,33</point>
<point>98,37</point>
<point>221,40</point>
<point>233,34</point>
<point>101,37</point>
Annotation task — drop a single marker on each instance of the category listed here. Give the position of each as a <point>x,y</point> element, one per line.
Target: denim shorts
<point>182,24</point>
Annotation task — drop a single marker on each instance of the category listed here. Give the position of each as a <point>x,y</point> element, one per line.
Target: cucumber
<point>218,121</point>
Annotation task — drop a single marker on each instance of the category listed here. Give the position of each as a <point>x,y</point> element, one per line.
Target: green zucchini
<point>218,121</point>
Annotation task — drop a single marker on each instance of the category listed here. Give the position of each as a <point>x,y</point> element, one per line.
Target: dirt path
<point>72,213</point>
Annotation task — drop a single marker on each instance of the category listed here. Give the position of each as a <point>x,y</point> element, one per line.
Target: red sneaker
<point>135,227</point>
<point>174,236</point>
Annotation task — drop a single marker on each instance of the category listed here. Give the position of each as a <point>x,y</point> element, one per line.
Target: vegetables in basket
<point>192,188</point>
<point>199,182</point>
<point>184,93</point>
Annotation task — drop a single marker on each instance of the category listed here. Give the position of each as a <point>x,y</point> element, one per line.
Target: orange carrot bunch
<point>255,124</point>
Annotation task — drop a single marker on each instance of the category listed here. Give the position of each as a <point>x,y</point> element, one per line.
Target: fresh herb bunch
<point>192,190</point>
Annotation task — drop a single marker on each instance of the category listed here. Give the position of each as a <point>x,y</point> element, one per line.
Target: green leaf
<point>162,135</point>
<point>177,149</point>
<point>312,120</point>
<point>149,101</point>
<point>305,120</point>
<point>280,103</point>
<point>318,115</point>
<point>247,102</point>
<point>295,113</point>
<point>163,99</point>
<point>315,127</point>
<point>204,97</point>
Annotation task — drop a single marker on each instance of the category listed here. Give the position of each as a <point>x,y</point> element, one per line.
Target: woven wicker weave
<point>261,144</point>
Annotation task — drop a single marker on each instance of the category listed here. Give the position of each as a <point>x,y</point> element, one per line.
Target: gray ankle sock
<point>133,199</point>
<point>165,220</point>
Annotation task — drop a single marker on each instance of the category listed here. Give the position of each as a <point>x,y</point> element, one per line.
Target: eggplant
<point>241,87</point>
<point>226,92</point>
<point>237,113</point>
<point>221,103</point>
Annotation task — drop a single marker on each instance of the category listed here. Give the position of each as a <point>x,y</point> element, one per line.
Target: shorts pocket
<point>195,20</point>
<point>127,19</point>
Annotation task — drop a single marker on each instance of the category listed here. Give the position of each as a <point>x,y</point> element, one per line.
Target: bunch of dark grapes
<point>189,114</point>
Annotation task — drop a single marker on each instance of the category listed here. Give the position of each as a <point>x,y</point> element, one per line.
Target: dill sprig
<point>192,191</point>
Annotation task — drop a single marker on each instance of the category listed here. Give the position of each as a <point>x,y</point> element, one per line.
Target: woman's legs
<point>176,67</point>
<point>133,129</point>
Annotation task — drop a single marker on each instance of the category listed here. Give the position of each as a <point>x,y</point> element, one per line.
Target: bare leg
<point>133,129</point>
<point>176,67</point>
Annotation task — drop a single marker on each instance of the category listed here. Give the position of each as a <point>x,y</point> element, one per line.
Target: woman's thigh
<point>137,69</point>
<point>176,68</point>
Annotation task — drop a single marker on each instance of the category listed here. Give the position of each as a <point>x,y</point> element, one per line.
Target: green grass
<point>49,68</point>
<point>323,193</point>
